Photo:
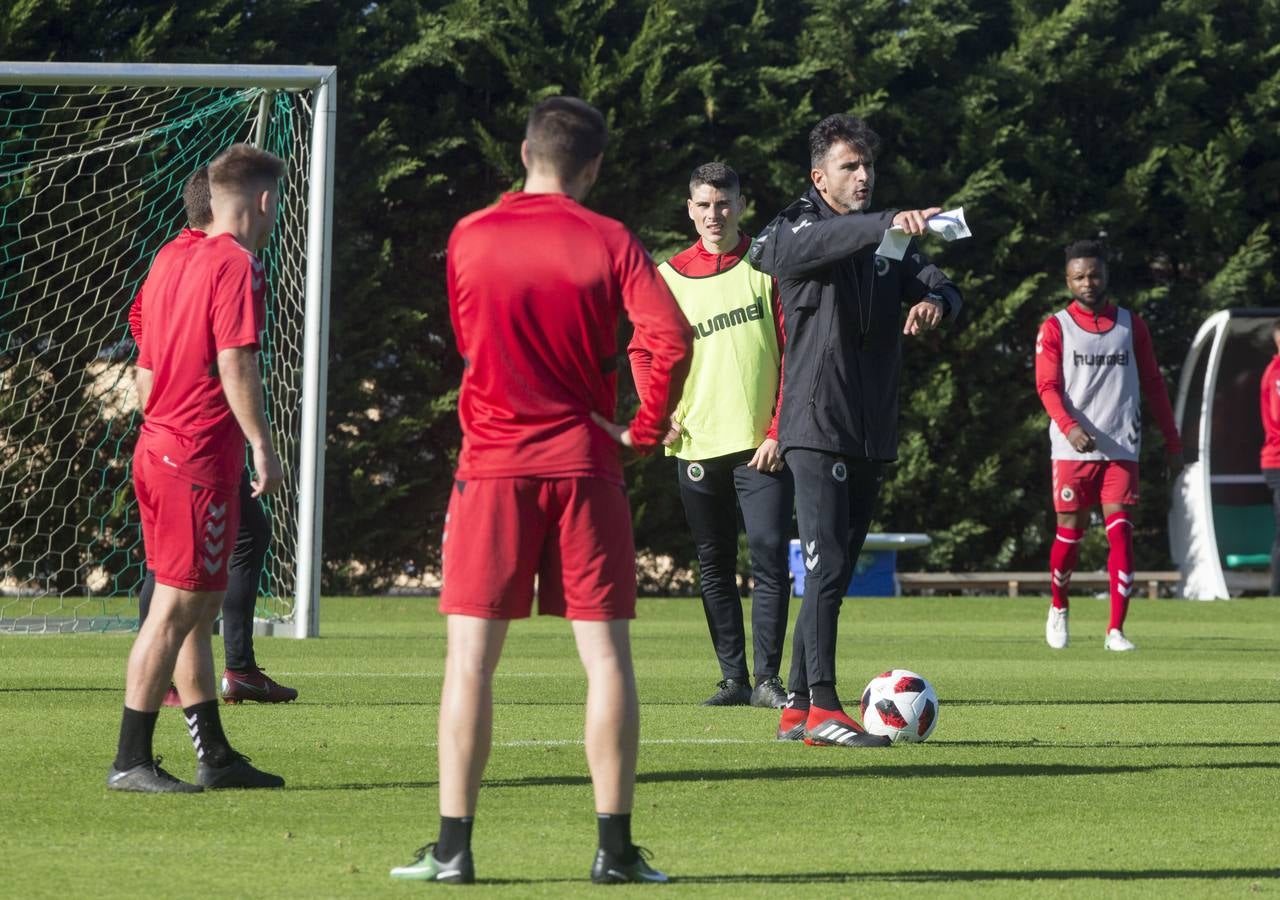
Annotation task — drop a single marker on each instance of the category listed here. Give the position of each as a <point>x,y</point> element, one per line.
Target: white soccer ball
<point>900,705</point>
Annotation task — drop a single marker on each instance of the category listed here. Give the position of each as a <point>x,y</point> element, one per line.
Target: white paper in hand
<point>949,225</point>
<point>894,243</point>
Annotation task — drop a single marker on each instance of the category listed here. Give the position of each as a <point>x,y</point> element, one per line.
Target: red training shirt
<point>176,247</point>
<point>1271,414</point>
<point>699,262</point>
<point>1049,369</point>
<point>536,285</point>
<point>194,304</point>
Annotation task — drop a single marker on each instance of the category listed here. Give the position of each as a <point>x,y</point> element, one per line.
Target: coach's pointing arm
<point>800,243</point>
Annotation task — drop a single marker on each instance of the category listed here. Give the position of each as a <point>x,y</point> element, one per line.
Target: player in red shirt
<point>536,285</point>
<point>1094,360</point>
<point>201,316</point>
<point>195,200</point>
<point>242,679</point>
<point>1271,448</point>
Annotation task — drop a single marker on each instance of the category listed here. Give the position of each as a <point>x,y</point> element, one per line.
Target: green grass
<point>1072,773</point>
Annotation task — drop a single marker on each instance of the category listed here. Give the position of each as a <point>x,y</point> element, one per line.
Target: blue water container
<point>873,576</point>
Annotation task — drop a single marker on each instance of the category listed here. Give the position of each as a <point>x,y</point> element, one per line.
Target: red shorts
<point>572,534</point>
<point>1081,485</point>
<point>188,530</point>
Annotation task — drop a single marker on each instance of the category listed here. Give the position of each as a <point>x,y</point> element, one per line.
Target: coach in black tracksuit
<point>843,309</point>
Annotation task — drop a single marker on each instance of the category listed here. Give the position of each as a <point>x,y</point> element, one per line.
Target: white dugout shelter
<point>1220,518</point>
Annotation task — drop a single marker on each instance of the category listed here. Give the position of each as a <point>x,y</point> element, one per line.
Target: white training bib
<point>1102,393</point>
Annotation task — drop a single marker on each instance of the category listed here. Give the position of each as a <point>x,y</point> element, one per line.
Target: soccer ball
<point>900,705</point>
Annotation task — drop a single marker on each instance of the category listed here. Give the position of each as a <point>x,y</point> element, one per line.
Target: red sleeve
<point>1049,375</point>
<point>237,309</point>
<point>135,329</point>
<point>451,288</point>
<point>1271,395</point>
<point>641,364</point>
<point>781,334</point>
<point>661,328</point>
<point>1153,387</point>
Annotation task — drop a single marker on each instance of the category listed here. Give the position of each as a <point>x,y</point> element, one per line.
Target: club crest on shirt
<point>882,265</point>
<point>1067,494</point>
<point>695,472</point>
<point>839,472</point>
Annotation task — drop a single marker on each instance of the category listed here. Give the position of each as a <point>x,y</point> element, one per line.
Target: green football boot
<point>425,867</point>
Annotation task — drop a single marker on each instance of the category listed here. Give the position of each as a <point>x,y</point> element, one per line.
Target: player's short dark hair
<point>716,174</point>
<point>195,197</point>
<point>1086,250</point>
<point>245,167</point>
<point>842,128</point>
<point>565,133</point>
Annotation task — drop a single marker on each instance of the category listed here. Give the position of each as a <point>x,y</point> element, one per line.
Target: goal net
<point>92,163</point>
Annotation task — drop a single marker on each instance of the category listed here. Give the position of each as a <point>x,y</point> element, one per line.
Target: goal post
<point>92,162</point>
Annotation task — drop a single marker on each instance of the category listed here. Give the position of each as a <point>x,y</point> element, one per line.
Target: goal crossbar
<point>112,74</point>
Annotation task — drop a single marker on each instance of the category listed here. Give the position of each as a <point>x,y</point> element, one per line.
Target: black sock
<point>798,700</point>
<point>823,695</point>
<point>455,836</point>
<point>615,834</point>
<point>205,726</point>
<point>136,731</point>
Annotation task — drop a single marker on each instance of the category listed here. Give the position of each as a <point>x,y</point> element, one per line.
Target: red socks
<point>1120,566</point>
<point>1062,562</point>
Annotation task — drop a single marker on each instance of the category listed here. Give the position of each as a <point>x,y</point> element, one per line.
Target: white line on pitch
<point>416,674</point>
<point>578,743</point>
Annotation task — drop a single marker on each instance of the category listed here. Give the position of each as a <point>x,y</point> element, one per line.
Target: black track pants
<point>835,498</point>
<point>711,491</point>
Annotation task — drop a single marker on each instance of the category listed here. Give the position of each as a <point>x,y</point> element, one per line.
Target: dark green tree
<point>1154,123</point>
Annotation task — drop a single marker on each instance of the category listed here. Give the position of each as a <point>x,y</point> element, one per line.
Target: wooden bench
<point>1014,582</point>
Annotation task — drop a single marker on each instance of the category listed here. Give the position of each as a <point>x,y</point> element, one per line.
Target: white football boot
<point>1055,628</point>
<point>1118,642</point>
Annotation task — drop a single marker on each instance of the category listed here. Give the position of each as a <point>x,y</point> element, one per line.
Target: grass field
<point>1072,773</point>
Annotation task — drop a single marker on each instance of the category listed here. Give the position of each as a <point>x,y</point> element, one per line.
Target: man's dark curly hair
<point>841,128</point>
<point>1086,250</point>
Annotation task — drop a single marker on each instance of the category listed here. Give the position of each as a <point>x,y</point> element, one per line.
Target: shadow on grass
<point>775,774</point>
<point>1163,701</point>
<point>576,701</point>
<point>944,876</point>
<point>959,875</point>
<point>60,690</point>
<point>1104,745</point>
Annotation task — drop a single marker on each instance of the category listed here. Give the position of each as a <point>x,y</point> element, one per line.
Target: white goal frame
<point>322,81</point>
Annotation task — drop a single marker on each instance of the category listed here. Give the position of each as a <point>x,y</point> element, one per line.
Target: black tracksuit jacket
<point>843,310</point>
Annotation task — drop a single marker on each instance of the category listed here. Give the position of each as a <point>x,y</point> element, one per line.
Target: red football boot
<point>791,728</point>
<point>834,728</point>
<point>254,684</point>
